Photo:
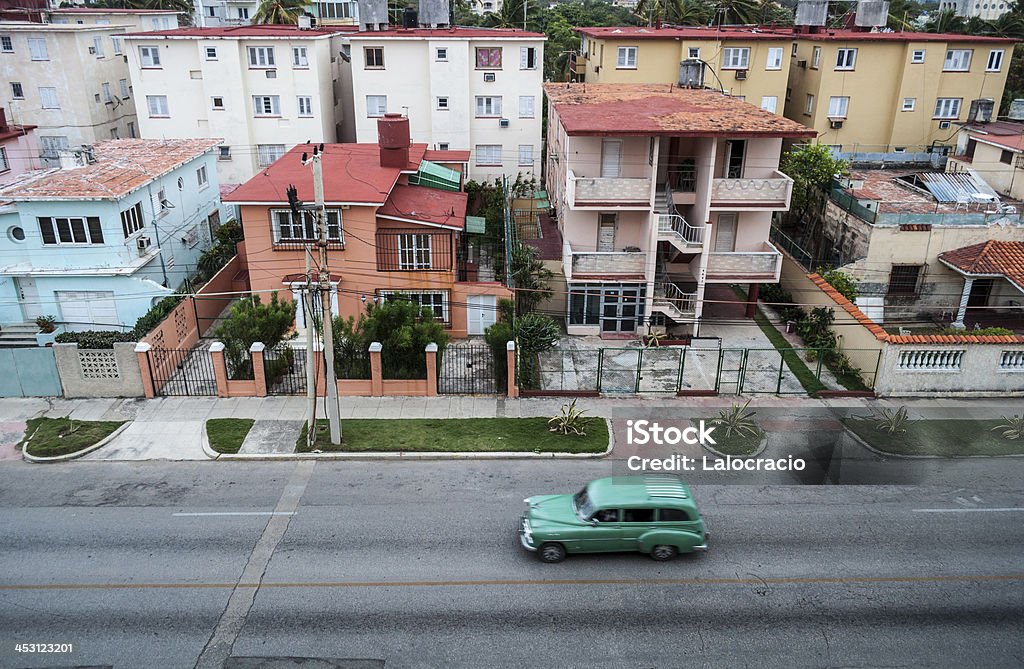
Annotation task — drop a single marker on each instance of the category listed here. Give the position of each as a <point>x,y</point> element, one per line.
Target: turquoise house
<point>118,227</point>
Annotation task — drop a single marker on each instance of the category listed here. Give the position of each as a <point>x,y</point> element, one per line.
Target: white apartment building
<point>135,20</point>
<point>261,88</point>
<point>71,81</point>
<point>474,89</point>
<point>660,192</point>
<point>217,13</point>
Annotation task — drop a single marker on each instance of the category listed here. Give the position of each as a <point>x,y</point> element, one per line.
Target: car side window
<point>607,516</point>
<point>673,516</point>
<point>638,516</point>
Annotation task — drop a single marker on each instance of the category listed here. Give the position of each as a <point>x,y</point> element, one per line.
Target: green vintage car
<point>651,514</point>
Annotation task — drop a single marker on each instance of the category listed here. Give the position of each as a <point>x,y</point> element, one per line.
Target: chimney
<point>393,139</point>
<point>3,120</point>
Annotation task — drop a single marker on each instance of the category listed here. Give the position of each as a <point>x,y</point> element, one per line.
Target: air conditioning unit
<point>944,125</point>
<point>488,76</point>
<point>835,123</point>
<point>741,75</point>
<point>801,63</point>
<point>143,244</point>
<point>503,123</point>
<point>271,74</point>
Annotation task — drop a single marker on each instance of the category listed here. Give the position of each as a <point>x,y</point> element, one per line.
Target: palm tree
<point>945,22</point>
<point>281,12</point>
<point>736,12</point>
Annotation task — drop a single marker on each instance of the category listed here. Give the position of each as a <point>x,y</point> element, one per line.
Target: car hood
<point>552,509</point>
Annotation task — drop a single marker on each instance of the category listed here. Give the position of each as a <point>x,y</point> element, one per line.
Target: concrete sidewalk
<point>171,427</point>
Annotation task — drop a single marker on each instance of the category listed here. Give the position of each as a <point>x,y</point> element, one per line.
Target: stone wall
<point>99,373</point>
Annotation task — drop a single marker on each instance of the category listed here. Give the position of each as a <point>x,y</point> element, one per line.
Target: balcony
<point>677,231</point>
<point>764,194</point>
<point>620,192</point>
<point>621,265</point>
<point>672,301</point>
<point>762,265</point>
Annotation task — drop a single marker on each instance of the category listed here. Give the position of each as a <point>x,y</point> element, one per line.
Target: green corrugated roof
<point>476,224</point>
<point>436,176</point>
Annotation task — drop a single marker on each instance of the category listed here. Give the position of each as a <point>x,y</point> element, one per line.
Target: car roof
<point>651,490</point>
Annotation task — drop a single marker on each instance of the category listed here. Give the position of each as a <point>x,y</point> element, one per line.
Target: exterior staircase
<point>670,300</point>
<point>18,335</point>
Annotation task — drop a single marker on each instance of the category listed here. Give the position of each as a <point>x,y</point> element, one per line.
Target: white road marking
<point>1019,509</point>
<point>238,513</point>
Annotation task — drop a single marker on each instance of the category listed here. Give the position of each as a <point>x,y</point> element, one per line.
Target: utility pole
<point>307,309</point>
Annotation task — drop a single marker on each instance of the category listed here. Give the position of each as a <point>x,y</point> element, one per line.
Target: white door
<point>606,232</point>
<point>88,310</point>
<point>481,313</point>
<point>28,296</point>
<point>725,239</point>
<point>611,158</point>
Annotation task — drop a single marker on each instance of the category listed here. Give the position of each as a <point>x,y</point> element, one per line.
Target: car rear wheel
<point>552,553</point>
<point>662,553</point>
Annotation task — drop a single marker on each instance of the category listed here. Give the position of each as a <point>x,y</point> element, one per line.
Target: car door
<point>635,522</point>
<point>604,536</point>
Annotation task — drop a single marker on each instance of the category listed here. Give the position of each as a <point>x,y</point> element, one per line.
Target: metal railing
<point>674,224</point>
<point>670,293</point>
<point>785,242</point>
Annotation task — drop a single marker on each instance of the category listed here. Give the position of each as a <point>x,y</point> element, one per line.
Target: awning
<point>433,175</point>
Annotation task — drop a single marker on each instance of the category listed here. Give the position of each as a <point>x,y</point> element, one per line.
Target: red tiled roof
<point>776,33</point>
<point>352,174</point>
<point>858,36</point>
<point>15,131</point>
<point>915,227</point>
<point>1015,142</point>
<point>657,109</point>
<point>261,31</point>
<point>426,205</point>
<point>452,33</point>
<point>446,156</point>
<point>991,257</point>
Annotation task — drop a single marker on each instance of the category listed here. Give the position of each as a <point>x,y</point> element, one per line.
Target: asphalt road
<point>416,565</point>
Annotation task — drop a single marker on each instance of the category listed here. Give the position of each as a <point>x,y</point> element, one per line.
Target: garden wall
<point>99,373</point>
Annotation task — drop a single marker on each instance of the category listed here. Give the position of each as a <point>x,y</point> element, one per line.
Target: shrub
<point>570,420</point>
<point>46,324</point>
<point>889,421</point>
<point>844,284</point>
<point>95,339</point>
<point>402,327</point>
<point>774,293</point>
<point>251,321</point>
<point>497,337</point>
<point>1012,427</point>
<point>156,313</point>
<point>736,419</point>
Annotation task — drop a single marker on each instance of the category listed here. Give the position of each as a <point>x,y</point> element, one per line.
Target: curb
<point>760,449</point>
<point>884,454</point>
<point>77,454</point>
<point>407,455</point>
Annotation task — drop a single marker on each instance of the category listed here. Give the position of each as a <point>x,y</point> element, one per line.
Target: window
<point>414,251</point>
<point>160,203</point>
<point>909,104</point>
<point>442,104</point>
<point>131,129</point>
<point>626,58</point>
<point>51,146</point>
<point>809,107</point>
<point>442,146</point>
<point>211,12</point>
<point>108,97</point>
<point>947,108</point>
<point>526,155</point>
<point>268,153</point>
<point>917,56</point>
<point>217,102</point>
<point>224,153</point>
<point>299,58</point>
<point>774,59</point>
<point>97,46</point>
<point>526,106</point>
<point>131,220</point>
<point>261,56</point>
<point>673,516</point>
<point>816,58</point>
<point>157,105</point>
<point>4,165</point>
<point>435,301</point>
<point>115,134</point>
<point>17,92</point>
<point>693,52</point>
<point>37,49</point>
<point>638,515</point>
<point>838,106</point>
<point>789,93</point>
<point>995,61</point>
<point>376,105</point>
<point>846,59</point>
<point>957,60</point>
<point>126,91</point>
<point>266,105</point>
<point>149,56</point>
<point>6,44</point>
<point>243,13</point>
<point>796,47</point>
<point>527,58</point>
<point>488,155</point>
<point>305,103</point>
<point>374,57</point>
<point>336,10</point>
<point>286,228</point>
<point>487,105</point>
<point>71,230</point>
<point>735,58</point>
<point>116,41</point>
<point>903,279</point>
<point>1006,157</point>
<point>441,54</point>
<point>201,177</point>
<point>48,98</point>
<point>211,51</point>
<point>770,103</point>
<point>488,57</point>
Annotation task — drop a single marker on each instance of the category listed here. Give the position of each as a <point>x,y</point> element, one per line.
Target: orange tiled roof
<point>991,257</point>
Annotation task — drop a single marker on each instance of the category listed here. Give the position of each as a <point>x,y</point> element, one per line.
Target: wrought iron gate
<point>285,370</point>
<point>467,368</point>
<point>177,372</point>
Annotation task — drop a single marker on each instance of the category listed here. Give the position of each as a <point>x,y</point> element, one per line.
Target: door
<point>481,313</point>
<point>635,522</point>
<point>611,158</point>
<point>88,310</point>
<point>606,232</point>
<point>734,163</point>
<point>620,309</point>
<point>981,289</point>
<point>28,296</point>
<point>725,238</point>
<point>603,537</point>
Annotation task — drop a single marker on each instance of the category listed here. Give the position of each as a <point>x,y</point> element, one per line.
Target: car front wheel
<point>552,553</point>
<point>663,553</point>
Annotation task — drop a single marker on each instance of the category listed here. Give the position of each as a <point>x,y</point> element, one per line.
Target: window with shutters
<point>957,60</point>
<point>488,57</point>
<point>269,153</point>
<point>488,106</point>
<point>299,58</point>
<point>126,91</point>
<point>69,231</point>
<point>261,57</point>
<point>488,155</point>
<point>376,105</point>
<point>526,155</point>
<point>201,177</point>
<point>131,220</point>
<point>48,98</point>
<point>266,105</point>
<point>774,59</point>
<point>526,106</point>
<point>37,49</point>
<point>527,58</point>
<point>149,56</point>
<point>157,105</point>
<point>305,104</point>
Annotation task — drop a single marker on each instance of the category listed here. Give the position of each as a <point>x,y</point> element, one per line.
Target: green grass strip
<point>736,445</point>
<point>50,437</point>
<point>227,434</point>
<point>942,437</point>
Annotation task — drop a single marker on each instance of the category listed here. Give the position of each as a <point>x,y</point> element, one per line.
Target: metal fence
<point>284,368</point>
<point>178,372</point>
<point>466,368</point>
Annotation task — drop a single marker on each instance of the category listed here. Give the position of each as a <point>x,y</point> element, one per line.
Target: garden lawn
<point>739,446</point>
<point>451,435</point>
<point>227,434</point>
<point>945,438</point>
<point>50,437</point>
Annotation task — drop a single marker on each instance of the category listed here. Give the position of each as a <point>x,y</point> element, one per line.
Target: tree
<point>812,167</point>
<point>732,12</point>
<point>281,12</point>
<point>402,327</point>
<point>251,321</point>
<point>531,278</point>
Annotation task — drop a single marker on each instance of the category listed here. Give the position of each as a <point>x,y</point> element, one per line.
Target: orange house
<point>386,237</point>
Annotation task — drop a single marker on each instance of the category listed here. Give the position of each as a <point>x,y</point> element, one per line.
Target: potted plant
<point>47,330</point>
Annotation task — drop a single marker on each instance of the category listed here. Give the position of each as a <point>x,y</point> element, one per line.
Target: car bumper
<point>525,535</point>
<point>702,547</point>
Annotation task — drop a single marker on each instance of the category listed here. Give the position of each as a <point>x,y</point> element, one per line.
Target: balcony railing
<point>671,295</point>
<point>608,191</point>
<point>754,193</point>
<point>745,265</point>
<point>603,263</point>
<point>677,228</point>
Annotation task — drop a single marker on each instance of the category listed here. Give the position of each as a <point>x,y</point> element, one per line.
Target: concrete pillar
<point>376,375</point>
<point>510,362</point>
<point>258,369</point>
<point>752,292</point>
<point>220,368</point>
<point>142,353</point>
<point>431,350</point>
<point>961,312</point>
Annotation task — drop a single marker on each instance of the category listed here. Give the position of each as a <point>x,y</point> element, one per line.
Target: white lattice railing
<point>930,360</point>
<point>764,191</point>
<point>1012,361</point>
<point>670,293</point>
<point>673,225</point>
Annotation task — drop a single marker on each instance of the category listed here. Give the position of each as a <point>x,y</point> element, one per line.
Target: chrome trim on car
<point>526,534</point>
<point>702,547</point>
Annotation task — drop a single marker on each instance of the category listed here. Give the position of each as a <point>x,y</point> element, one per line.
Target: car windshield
<point>584,507</point>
